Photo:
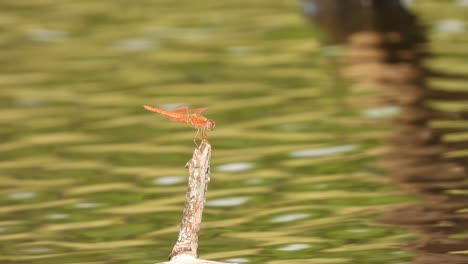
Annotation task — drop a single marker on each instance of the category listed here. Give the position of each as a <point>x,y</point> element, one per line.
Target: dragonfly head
<point>211,124</point>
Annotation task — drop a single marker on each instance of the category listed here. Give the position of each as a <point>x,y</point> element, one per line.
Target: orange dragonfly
<point>191,117</point>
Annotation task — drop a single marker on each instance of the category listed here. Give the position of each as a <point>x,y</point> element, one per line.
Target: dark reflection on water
<point>426,153</point>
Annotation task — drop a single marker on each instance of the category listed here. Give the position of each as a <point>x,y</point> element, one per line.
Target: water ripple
<point>235,167</point>
<point>294,247</point>
<point>323,151</point>
<point>228,202</point>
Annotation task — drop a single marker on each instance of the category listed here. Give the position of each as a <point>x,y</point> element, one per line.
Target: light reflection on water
<point>169,180</point>
<point>88,177</point>
<point>234,167</point>
<point>322,151</point>
<point>227,202</point>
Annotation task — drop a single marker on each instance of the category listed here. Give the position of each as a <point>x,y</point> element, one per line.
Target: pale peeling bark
<point>185,249</point>
<point>199,176</point>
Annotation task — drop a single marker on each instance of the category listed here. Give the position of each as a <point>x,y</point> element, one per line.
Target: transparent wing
<point>181,110</point>
<point>199,110</point>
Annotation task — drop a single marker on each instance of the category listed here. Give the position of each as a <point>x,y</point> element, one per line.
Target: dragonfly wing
<point>174,116</point>
<point>199,110</point>
<point>181,110</point>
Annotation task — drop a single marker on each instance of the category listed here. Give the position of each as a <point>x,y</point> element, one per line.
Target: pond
<point>89,176</point>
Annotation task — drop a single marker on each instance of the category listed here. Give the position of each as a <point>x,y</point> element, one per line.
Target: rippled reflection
<point>426,152</point>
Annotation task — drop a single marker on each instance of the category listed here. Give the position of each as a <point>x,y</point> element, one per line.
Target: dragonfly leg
<point>203,134</point>
<point>195,138</point>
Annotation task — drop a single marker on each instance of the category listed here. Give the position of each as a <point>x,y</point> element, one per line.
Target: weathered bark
<point>185,249</point>
<point>199,176</point>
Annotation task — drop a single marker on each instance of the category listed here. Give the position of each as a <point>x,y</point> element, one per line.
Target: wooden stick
<point>199,176</point>
<point>185,249</point>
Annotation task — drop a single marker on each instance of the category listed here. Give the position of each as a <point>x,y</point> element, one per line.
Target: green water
<point>88,176</point>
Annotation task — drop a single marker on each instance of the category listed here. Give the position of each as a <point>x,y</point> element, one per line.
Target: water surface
<point>88,176</point>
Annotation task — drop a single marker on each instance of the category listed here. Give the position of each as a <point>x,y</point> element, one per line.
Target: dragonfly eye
<point>211,125</point>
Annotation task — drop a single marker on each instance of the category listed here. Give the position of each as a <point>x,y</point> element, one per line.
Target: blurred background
<point>341,131</point>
